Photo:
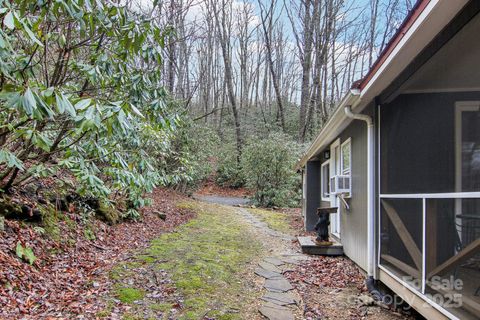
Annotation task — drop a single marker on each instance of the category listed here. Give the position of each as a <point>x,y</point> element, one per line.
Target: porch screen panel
<point>401,238</point>
<point>452,255</point>
<point>417,139</point>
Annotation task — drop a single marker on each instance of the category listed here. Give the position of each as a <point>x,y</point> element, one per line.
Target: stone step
<point>309,246</point>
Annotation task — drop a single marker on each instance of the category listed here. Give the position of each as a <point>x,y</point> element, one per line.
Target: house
<point>399,163</point>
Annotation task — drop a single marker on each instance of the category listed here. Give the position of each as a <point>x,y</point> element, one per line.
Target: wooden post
<point>468,252</point>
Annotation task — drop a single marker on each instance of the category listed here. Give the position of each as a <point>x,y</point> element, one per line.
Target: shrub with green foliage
<point>196,145</point>
<point>229,173</point>
<point>81,89</point>
<point>268,169</point>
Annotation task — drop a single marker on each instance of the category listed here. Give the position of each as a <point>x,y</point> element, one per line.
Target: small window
<point>346,159</point>
<point>325,182</point>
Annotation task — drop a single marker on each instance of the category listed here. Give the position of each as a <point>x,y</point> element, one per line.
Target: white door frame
<point>335,169</point>
<point>460,107</point>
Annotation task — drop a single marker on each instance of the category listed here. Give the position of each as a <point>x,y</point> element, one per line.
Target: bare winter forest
<point>280,65</point>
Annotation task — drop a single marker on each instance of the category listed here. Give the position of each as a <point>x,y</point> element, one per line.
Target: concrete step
<point>309,246</point>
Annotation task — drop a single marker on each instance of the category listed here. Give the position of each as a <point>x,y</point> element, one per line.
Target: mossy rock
<point>12,210</point>
<point>9,209</point>
<point>107,213</point>
<point>50,219</point>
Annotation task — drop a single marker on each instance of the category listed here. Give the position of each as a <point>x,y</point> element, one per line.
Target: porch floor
<point>309,246</point>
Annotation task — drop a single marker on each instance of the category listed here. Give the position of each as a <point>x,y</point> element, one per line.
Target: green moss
<point>147,259</point>
<point>50,219</point>
<point>164,307</point>
<point>275,220</point>
<point>89,234</point>
<point>131,317</point>
<point>129,295</point>
<point>108,213</point>
<point>8,208</point>
<point>206,259</point>
<point>122,271</point>
<point>71,224</point>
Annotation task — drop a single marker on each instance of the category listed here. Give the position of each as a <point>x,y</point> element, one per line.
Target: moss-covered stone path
<point>227,263</point>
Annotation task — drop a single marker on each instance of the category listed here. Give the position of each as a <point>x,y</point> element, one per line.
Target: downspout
<point>370,197</point>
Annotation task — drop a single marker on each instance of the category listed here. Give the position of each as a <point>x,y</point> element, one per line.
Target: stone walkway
<point>229,201</point>
<point>279,300</point>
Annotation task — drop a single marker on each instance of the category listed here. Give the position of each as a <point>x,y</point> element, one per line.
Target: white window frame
<point>342,169</point>
<point>347,172</point>
<point>325,194</point>
<point>461,106</point>
<point>335,163</point>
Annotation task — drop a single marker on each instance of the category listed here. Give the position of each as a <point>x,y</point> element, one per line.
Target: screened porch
<point>429,179</point>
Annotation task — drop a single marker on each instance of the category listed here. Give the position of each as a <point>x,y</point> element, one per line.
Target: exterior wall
<point>353,225</point>
<point>312,193</point>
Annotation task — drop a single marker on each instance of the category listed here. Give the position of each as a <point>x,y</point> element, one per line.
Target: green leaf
<point>31,35</point>
<point>136,111</point>
<point>82,104</point>
<point>25,254</point>
<point>10,159</point>
<point>29,255</point>
<point>29,102</point>
<point>9,21</point>
<point>48,92</point>
<point>60,104</point>
<point>64,105</point>
<point>42,141</point>
<point>19,250</point>
<point>68,106</point>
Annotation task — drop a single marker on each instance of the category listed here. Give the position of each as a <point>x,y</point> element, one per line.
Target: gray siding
<point>312,193</point>
<point>353,229</point>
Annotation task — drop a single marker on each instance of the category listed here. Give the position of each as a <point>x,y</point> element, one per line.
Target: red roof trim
<point>392,44</point>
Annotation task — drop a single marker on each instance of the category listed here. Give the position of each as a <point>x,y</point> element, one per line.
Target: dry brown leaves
<point>210,188</point>
<point>70,276</point>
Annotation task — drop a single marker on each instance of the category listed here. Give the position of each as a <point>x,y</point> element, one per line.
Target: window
<point>346,159</point>
<point>325,181</point>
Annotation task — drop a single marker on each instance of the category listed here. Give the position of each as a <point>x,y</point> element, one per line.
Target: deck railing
<point>431,244</point>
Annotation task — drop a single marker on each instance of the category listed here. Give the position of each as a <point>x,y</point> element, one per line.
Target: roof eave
<point>352,98</point>
<point>436,13</point>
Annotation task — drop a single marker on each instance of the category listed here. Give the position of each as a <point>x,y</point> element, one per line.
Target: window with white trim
<point>346,157</point>
<point>325,181</point>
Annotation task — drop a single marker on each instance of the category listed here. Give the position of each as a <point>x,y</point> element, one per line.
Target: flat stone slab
<point>279,298</point>
<point>278,285</point>
<point>289,260</point>
<point>230,201</point>
<point>275,306</point>
<point>274,261</point>
<point>268,274</point>
<point>295,256</point>
<point>269,267</point>
<point>276,313</point>
<point>309,246</point>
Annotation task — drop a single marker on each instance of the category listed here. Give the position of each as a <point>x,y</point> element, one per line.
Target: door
<point>335,170</point>
<point>467,169</point>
